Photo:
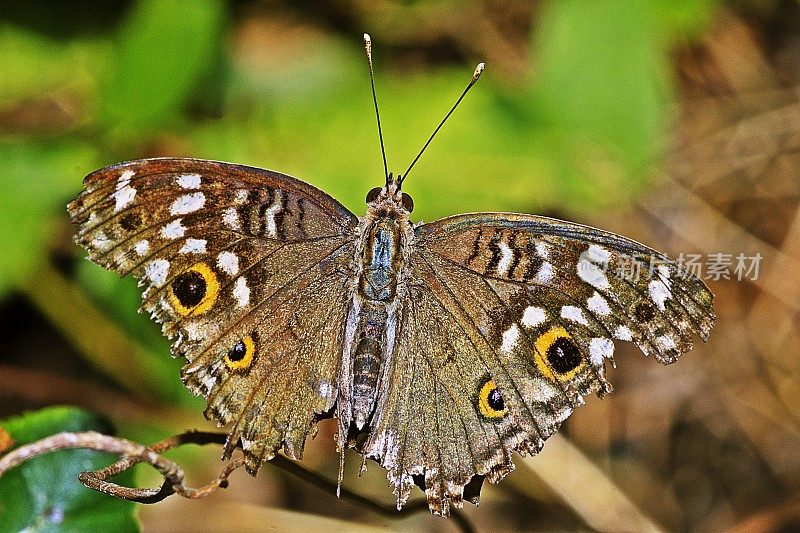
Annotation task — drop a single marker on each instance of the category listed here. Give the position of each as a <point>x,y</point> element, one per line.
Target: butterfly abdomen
<point>368,360</point>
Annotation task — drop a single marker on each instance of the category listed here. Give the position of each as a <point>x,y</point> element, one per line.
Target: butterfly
<point>441,348</point>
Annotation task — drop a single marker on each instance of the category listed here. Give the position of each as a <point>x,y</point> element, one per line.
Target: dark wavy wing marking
<point>228,254</point>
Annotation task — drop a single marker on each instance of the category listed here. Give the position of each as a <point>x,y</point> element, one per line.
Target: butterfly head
<point>390,196</point>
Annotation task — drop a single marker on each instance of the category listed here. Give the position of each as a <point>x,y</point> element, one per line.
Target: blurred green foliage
<point>578,135</point>
<point>43,494</point>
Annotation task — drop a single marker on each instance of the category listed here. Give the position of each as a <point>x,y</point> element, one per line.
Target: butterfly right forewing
<point>248,270</point>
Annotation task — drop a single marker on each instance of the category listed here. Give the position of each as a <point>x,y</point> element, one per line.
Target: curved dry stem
<point>132,453</point>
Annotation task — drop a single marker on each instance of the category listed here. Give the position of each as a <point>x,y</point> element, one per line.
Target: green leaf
<point>164,47</point>
<point>686,19</point>
<point>44,494</point>
<point>602,86</point>
<point>36,178</point>
<point>601,73</point>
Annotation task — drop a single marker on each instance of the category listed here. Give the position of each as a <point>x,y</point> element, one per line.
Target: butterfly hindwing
<point>240,265</point>
<point>442,425</point>
<point>507,322</point>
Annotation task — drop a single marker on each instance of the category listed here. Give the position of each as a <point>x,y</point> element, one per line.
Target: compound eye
<point>373,194</point>
<point>407,202</point>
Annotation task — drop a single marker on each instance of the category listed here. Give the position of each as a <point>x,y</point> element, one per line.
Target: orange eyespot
<point>194,291</point>
<point>557,355</point>
<point>242,354</point>
<point>490,401</point>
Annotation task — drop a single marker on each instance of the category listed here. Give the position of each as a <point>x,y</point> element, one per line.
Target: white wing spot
<point>189,181</point>
<point>241,292</point>
<point>325,389</point>
<point>597,254</point>
<point>208,382</point>
<point>659,293</point>
<point>545,273</point>
<point>274,209</point>
<point>575,314</point>
<point>542,250</point>
<point>157,271</point>
<point>241,196</point>
<point>193,331</point>
<point>623,333</point>
<point>124,194</point>
<point>194,246</point>
<point>228,263</point>
<point>101,241</point>
<point>598,305</point>
<point>230,217</point>
<point>533,316</point>
<point>188,203</point>
<point>173,230</point>
<point>141,247</point>
<point>599,349</point>
<point>506,255</point>
<point>660,288</point>
<point>591,273</point>
<point>510,338</point>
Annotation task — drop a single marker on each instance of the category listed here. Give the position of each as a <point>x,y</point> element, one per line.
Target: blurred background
<point>673,123</point>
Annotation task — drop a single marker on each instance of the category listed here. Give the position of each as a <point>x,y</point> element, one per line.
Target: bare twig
<point>132,453</point>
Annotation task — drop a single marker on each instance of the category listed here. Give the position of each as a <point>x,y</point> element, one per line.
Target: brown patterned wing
<point>507,323</point>
<point>247,270</point>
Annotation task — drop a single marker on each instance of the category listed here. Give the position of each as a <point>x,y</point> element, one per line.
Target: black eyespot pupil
<point>563,355</point>
<point>407,202</point>
<point>189,288</point>
<point>238,352</point>
<point>373,194</point>
<point>644,312</point>
<point>495,400</point>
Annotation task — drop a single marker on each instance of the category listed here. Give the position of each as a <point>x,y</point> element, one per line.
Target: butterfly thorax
<point>381,261</point>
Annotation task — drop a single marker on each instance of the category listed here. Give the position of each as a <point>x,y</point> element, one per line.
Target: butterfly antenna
<point>368,50</point>
<point>475,76</point>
